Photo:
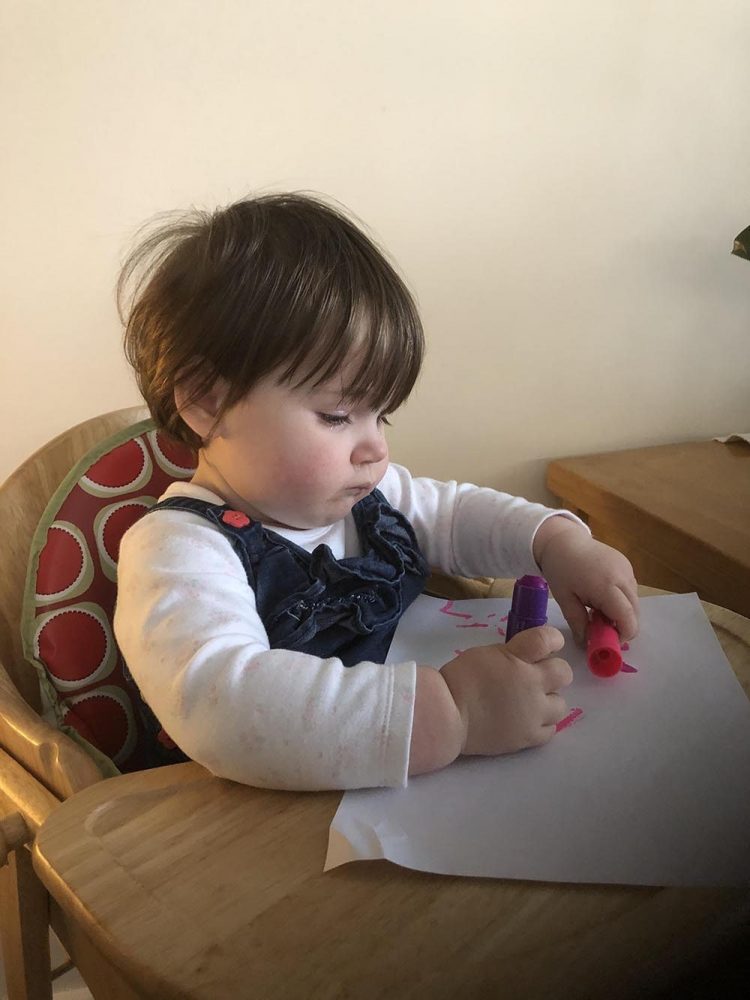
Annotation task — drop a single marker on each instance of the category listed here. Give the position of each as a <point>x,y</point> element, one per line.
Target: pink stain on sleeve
<point>570,718</point>
<point>446,610</point>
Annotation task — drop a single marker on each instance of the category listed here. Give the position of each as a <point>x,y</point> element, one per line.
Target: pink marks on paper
<point>471,621</point>
<point>627,668</point>
<point>572,717</point>
<point>446,610</point>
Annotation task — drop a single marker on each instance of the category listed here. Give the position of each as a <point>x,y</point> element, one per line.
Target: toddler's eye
<point>335,419</point>
<point>384,420</point>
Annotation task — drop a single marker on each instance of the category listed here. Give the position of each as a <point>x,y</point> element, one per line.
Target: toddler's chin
<point>321,516</point>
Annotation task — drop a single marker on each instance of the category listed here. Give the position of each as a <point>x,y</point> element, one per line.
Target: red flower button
<point>236,518</point>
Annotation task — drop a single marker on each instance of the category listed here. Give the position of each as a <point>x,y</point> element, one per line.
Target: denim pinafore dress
<point>311,602</point>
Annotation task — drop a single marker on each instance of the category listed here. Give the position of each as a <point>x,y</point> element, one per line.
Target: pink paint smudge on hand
<point>572,717</point>
<point>474,625</point>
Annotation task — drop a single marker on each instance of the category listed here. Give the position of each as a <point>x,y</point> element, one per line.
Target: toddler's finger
<point>632,596</point>
<point>536,644</point>
<point>620,610</point>
<point>545,734</point>
<point>557,673</point>
<point>575,614</point>
<point>555,710</point>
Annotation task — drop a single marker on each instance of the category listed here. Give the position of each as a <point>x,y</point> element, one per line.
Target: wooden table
<point>196,887</point>
<point>681,513</point>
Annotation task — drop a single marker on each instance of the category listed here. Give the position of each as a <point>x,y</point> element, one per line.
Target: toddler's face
<point>298,458</point>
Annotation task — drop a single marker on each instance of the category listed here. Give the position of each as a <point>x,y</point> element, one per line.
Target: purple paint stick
<point>529,607</point>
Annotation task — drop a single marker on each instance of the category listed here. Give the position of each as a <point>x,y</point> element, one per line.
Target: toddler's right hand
<point>508,695</point>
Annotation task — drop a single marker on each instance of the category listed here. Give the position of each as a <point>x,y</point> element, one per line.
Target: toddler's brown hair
<point>279,284</point>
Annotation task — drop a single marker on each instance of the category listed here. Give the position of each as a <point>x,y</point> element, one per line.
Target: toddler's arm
<point>467,529</point>
<point>188,627</point>
<point>475,531</point>
<point>489,700</point>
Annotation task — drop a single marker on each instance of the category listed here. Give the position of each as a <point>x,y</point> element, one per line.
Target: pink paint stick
<point>602,646</point>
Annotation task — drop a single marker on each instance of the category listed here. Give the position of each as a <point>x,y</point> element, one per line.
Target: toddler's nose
<point>371,448</point>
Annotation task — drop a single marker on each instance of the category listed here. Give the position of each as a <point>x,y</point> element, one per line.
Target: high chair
<point>39,764</point>
<point>49,752</point>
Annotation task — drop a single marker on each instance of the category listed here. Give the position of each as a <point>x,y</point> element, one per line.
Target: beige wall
<point>560,183</point>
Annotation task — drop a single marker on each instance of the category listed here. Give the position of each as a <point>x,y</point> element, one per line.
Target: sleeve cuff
<point>553,513</point>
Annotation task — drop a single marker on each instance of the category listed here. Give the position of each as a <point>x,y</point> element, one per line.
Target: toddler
<point>257,602</point>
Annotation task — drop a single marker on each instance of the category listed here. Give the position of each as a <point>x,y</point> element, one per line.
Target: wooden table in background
<point>680,513</point>
<point>196,887</point>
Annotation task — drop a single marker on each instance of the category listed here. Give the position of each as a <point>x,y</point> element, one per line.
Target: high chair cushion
<point>71,587</point>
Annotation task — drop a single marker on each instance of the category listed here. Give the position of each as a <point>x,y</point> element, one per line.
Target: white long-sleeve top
<point>187,625</point>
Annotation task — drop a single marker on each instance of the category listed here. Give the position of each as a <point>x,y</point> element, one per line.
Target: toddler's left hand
<point>582,572</point>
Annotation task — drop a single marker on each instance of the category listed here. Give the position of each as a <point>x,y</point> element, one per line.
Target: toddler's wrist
<point>437,736</point>
<point>460,728</point>
<point>554,528</point>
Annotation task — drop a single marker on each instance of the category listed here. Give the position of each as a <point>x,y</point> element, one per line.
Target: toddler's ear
<point>200,412</point>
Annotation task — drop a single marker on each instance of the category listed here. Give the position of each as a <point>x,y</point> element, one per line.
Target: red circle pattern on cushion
<point>104,719</point>
<point>76,589</point>
<point>117,523</point>
<point>120,471</point>
<point>62,563</point>
<point>75,644</point>
<point>110,524</point>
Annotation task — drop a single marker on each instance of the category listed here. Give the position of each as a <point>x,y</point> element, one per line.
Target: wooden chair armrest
<point>21,793</point>
<point>14,833</point>
<point>52,757</point>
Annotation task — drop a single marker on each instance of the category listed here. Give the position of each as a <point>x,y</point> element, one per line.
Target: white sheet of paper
<point>649,785</point>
